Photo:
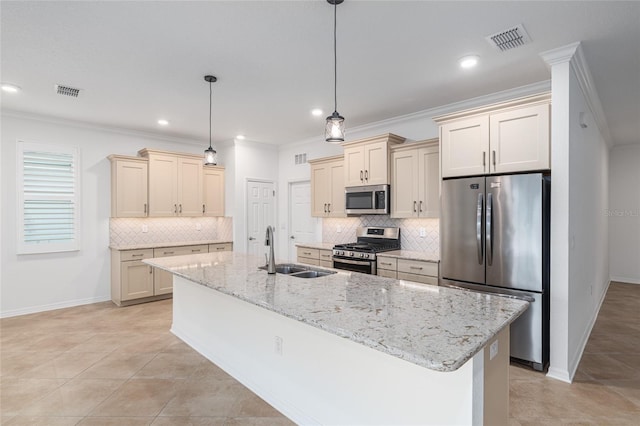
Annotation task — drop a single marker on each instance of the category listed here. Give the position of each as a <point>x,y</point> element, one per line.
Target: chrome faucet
<point>271,263</point>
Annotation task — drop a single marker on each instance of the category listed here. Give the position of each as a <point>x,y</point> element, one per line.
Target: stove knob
<point>351,254</point>
<point>361,254</point>
<point>366,255</point>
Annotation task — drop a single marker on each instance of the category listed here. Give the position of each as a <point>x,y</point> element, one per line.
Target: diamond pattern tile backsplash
<point>128,231</point>
<point>343,230</point>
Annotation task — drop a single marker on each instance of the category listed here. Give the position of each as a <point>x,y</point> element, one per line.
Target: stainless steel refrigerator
<point>495,238</point>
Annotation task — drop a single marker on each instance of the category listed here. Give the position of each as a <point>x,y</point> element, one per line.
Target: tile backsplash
<point>343,230</point>
<point>129,231</point>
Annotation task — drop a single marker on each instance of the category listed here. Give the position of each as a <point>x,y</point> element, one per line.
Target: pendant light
<point>334,129</point>
<point>210,156</point>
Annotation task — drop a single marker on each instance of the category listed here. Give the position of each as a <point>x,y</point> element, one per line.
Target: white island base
<point>315,377</point>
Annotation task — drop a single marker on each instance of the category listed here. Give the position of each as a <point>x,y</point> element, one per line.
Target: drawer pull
<point>416,267</point>
<point>195,250</point>
<point>325,255</point>
<point>385,263</point>
<point>137,255</point>
<point>168,252</point>
<point>308,253</point>
<point>219,248</point>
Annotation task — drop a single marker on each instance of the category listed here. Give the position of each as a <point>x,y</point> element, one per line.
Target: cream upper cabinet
<point>213,196</point>
<point>509,137</point>
<point>175,184</point>
<point>415,180</point>
<point>327,187</point>
<point>366,161</point>
<point>128,186</point>
<point>519,139</point>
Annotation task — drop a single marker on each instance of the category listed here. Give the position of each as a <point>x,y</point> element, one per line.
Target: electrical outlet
<point>278,345</point>
<point>145,228</point>
<point>493,350</point>
<point>198,227</point>
<point>423,232</point>
<point>339,229</point>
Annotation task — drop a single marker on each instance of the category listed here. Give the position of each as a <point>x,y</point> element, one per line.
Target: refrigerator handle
<point>479,227</point>
<point>489,228</point>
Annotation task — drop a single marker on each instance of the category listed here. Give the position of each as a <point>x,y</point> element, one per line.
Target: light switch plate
<point>198,227</point>
<point>423,232</point>
<point>145,228</point>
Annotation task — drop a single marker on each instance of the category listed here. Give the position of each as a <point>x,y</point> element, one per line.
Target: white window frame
<point>47,247</point>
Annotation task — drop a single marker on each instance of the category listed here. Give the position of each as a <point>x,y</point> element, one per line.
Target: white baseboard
<point>559,374</point>
<point>626,280</point>
<point>53,306</point>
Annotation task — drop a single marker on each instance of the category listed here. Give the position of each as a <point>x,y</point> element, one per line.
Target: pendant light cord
<point>210,92</point>
<point>335,58</point>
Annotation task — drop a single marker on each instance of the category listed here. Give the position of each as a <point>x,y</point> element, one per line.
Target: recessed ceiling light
<point>241,137</point>
<point>10,88</point>
<point>469,61</point>
<point>163,122</point>
<point>316,112</point>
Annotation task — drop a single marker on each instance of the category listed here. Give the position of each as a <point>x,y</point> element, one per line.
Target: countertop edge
<point>169,244</point>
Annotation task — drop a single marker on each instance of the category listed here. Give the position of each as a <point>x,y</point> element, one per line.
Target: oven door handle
<point>352,262</point>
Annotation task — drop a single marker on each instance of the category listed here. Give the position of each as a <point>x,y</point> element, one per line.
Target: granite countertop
<point>411,255</point>
<point>319,246</point>
<point>172,244</point>
<point>435,327</point>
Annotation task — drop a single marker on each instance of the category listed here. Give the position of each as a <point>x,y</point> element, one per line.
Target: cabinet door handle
<point>325,207</point>
<point>175,208</point>
<point>366,175</point>
<point>145,208</point>
<point>420,206</point>
<point>150,270</point>
<point>494,160</point>
<point>329,208</point>
<point>484,159</point>
<point>414,207</point>
<point>203,209</point>
<point>361,179</point>
<point>180,208</point>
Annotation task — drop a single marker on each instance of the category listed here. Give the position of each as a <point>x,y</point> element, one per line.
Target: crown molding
<point>99,127</point>
<point>574,55</point>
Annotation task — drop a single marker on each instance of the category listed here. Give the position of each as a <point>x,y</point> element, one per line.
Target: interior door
<point>260,204</point>
<point>302,227</point>
<point>462,230</point>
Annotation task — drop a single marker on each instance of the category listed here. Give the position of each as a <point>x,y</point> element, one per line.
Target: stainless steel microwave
<point>370,199</point>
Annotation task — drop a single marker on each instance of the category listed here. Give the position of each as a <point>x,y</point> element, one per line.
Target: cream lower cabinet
<point>415,180</point>
<point>175,183</point>
<point>135,282</point>
<point>509,137</point>
<point>213,191</point>
<point>130,278</point>
<point>327,187</point>
<point>419,271</point>
<point>366,161</point>
<point>315,257</point>
<point>128,186</point>
<point>163,280</point>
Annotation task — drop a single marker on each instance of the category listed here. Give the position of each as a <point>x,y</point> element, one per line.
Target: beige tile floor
<point>102,365</point>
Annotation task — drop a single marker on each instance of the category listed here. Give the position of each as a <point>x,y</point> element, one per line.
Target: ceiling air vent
<point>510,38</point>
<point>67,91</point>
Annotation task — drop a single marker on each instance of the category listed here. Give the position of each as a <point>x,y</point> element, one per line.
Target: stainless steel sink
<point>312,274</point>
<point>299,271</point>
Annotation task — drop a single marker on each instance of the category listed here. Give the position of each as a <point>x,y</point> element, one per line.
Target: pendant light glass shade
<point>334,128</point>
<point>210,155</point>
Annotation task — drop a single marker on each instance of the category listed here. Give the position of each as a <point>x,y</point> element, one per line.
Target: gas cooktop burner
<point>370,240</point>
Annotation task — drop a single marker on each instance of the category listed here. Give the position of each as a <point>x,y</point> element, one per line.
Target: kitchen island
<point>347,348</point>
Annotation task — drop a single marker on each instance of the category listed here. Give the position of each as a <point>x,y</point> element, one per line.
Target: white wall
<point>38,282</point>
<point>579,198</point>
<point>624,213</point>
<point>251,161</point>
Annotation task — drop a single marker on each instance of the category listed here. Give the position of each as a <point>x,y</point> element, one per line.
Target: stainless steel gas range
<point>361,255</point>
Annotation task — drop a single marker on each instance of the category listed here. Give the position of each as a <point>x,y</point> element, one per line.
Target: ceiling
<point>137,62</point>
